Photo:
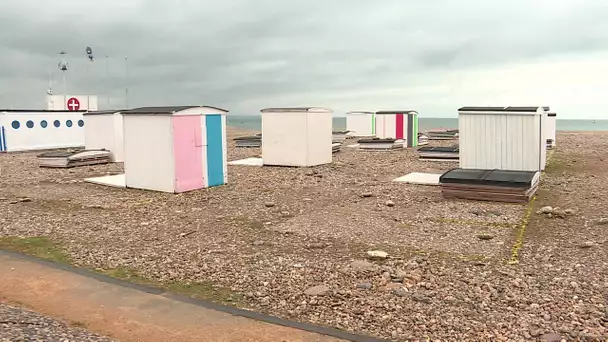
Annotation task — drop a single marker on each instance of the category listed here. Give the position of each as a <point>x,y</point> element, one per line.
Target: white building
<point>503,138</point>
<point>27,130</point>
<point>104,130</point>
<point>361,124</point>
<point>175,149</point>
<point>71,102</point>
<point>296,136</point>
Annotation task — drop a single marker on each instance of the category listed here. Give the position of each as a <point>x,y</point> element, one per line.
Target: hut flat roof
<point>297,110</point>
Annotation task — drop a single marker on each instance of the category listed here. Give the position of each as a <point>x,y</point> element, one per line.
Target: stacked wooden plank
<point>339,136</point>
<point>67,159</point>
<point>490,185</point>
<point>439,153</point>
<point>249,141</point>
<point>444,134</point>
<point>377,144</point>
<point>336,147</point>
<point>422,139</point>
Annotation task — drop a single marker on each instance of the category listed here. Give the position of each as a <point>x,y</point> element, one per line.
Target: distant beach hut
<point>398,125</point>
<point>502,138</point>
<point>361,123</point>
<point>27,130</point>
<point>175,149</point>
<point>296,136</point>
<point>104,130</point>
<point>551,129</point>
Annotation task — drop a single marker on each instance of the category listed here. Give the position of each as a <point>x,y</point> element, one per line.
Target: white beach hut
<point>296,136</point>
<point>361,124</point>
<point>397,124</point>
<point>503,138</point>
<point>104,130</point>
<point>551,129</point>
<point>28,130</point>
<point>175,149</point>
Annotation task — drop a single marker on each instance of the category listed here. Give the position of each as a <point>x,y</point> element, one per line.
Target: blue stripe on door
<point>2,139</point>
<point>215,150</point>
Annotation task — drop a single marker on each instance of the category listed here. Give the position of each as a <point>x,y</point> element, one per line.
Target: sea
<point>254,122</point>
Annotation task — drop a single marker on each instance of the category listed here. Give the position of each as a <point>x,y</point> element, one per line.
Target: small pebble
<point>587,244</point>
<point>377,255</point>
<point>364,286</point>
<point>485,236</point>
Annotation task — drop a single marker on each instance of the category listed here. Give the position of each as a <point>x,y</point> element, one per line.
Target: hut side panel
<point>284,139</point>
<point>500,141</point>
<point>319,139</point>
<point>153,134</point>
<point>362,125</point>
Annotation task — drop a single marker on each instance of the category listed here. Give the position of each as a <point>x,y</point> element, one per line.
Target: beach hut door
<point>188,149</point>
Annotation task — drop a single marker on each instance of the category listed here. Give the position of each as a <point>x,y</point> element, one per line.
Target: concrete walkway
<point>132,313</point>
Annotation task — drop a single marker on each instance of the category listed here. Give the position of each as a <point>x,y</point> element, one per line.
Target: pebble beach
<point>18,324</point>
<point>341,245</point>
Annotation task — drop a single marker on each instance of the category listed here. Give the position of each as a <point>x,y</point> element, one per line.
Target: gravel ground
<point>17,324</point>
<point>278,236</point>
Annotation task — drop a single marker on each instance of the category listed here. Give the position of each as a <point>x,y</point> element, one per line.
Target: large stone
<point>545,210</point>
<point>365,286</point>
<point>319,290</point>
<point>587,244</point>
<point>485,236</point>
<point>552,337</point>
<point>417,297</point>
<point>362,265</point>
<point>377,255</point>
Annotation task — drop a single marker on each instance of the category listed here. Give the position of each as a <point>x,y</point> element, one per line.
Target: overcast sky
<point>244,55</point>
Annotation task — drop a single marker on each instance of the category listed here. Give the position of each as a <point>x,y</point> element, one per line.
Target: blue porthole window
<point>56,123</point>
<point>68,123</point>
<point>15,124</point>
<point>43,124</point>
<point>29,124</point>
<point>80,123</point>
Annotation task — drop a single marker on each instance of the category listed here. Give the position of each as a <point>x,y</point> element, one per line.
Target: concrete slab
<point>419,178</point>
<point>247,162</point>
<point>117,181</point>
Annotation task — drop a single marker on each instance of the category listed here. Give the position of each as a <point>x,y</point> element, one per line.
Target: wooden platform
<point>490,185</point>
<point>69,159</point>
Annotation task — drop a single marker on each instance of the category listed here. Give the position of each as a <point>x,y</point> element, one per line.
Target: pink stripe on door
<point>399,128</point>
<point>188,152</point>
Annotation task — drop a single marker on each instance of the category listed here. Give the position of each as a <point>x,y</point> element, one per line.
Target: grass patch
<point>130,275</point>
<point>521,233</point>
<point>248,223</point>
<point>43,248</point>
<point>473,257</point>
<point>473,222</point>
<point>200,290</point>
<point>39,246</point>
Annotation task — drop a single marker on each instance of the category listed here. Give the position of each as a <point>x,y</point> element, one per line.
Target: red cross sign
<point>73,104</point>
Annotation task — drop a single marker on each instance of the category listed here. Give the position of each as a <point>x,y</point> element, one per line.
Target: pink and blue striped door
<point>188,153</point>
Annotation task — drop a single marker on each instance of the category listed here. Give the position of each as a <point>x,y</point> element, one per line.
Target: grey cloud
<point>237,52</point>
